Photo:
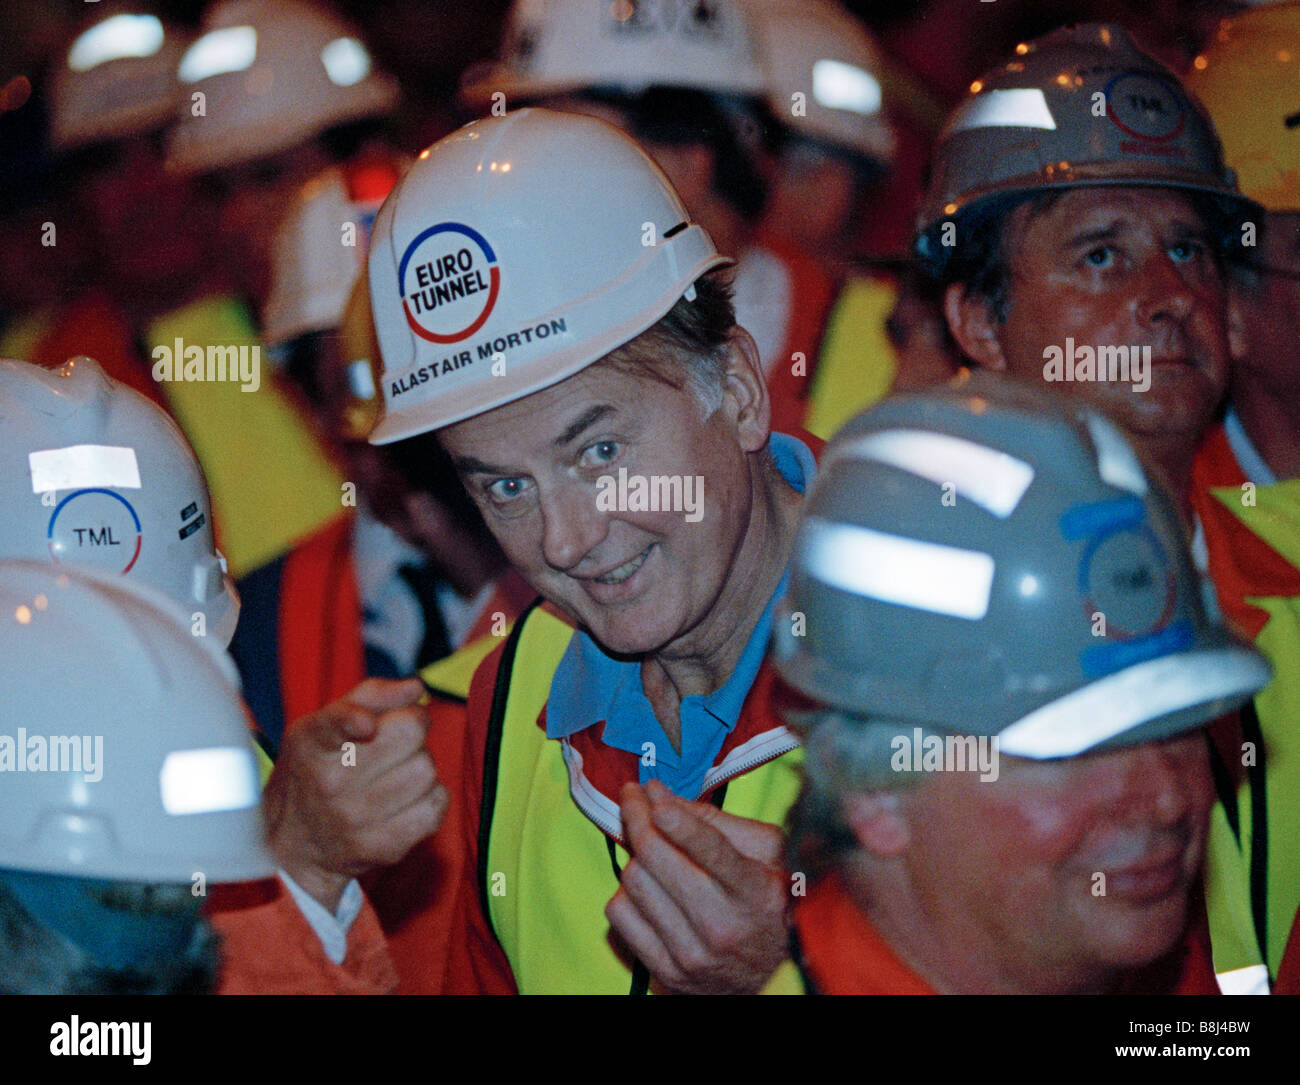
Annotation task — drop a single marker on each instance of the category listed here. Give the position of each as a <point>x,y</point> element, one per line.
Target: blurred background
<point>935,48</point>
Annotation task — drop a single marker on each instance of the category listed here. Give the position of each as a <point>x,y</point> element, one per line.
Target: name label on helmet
<point>83,466</point>
<point>449,281</point>
<point>493,350</point>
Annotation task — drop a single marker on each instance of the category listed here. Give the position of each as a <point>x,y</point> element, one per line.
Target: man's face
<point>1072,867</point>
<point>254,198</point>
<point>1121,266</point>
<point>151,226</point>
<point>1271,309</point>
<point>637,580</point>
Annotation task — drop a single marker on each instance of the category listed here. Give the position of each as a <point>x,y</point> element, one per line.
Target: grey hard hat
<point>93,474</point>
<point>988,559</point>
<point>124,745</point>
<point>1082,105</point>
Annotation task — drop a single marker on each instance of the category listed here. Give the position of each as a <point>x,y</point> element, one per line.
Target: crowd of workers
<point>590,556</point>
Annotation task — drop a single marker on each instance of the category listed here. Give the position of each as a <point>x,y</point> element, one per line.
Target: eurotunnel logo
<point>449,281</point>
<point>95,527</point>
<point>1146,107</point>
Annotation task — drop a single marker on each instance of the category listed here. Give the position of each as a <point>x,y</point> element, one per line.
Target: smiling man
<point>1038,600</point>
<point>622,774</point>
<point>1080,207</point>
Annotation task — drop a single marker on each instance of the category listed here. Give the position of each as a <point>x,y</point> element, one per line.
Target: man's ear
<point>878,822</point>
<point>974,326</point>
<point>745,391</point>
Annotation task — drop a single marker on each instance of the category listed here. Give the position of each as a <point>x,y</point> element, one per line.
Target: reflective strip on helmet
<point>1021,107</point>
<point>231,49</point>
<point>80,467</point>
<point>837,85</point>
<point>116,38</point>
<point>1119,702</point>
<point>893,569</point>
<point>208,781</point>
<point>987,476</point>
<point>346,61</point>
<point>1251,980</point>
<point>1116,462</point>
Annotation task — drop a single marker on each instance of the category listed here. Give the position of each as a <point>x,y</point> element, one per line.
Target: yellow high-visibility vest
<point>545,871</point>
<point>271,483</point>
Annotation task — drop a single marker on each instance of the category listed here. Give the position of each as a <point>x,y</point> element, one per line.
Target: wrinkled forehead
<point>557,416</point>
<point>1044,214</point>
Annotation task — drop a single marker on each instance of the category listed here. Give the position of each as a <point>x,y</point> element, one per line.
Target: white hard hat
<point>824,74</point>
<point>117,79</point>
<point>273,75</point>
<point>93,474</point>
<point>318,259</point>
<point>557,46</point>
<point>516,252</point>
<point>124,746</point>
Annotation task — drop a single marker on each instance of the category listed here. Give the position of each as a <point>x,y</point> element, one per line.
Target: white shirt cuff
<point>332,930</point>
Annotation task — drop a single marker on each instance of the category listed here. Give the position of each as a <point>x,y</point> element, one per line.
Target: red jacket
<point>1288,975</point>
<point>439,941</point>
<point>843,954</point>
<point>812,293</point>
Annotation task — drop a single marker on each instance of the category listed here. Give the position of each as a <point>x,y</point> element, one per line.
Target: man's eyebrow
<point>1101,233</point>
<point>468,465</point>
<point>1119,226</point>
<point>1192,228</point>
<point>587,418</point>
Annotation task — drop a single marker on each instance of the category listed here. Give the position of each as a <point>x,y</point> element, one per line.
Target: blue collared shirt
<point>589,686</point>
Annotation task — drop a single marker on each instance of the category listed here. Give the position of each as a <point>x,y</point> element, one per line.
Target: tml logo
<point>95,527</point>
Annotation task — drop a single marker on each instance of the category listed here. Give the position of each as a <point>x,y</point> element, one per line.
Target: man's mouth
<point>1153,876</point>
<point>626,570</point>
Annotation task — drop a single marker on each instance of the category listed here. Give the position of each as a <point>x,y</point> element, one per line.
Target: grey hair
<point>843,754</point>
<point>687,347</point>
<point>36,960</point>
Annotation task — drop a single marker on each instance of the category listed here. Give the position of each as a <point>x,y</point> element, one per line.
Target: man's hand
<point>334,812</point>
<point>703,898</point>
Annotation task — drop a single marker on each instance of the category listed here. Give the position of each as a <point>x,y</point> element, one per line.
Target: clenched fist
<point>354,788</point>
<point>702,901</point>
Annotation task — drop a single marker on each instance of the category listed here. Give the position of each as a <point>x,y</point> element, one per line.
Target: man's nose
<point>572,525</point>
<point>1169,780</point>
<point>1165,295</point>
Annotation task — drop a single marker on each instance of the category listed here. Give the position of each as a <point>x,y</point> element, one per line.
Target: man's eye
<point>599,453</point>
<point>506,489</point>
<point>1101,257</point>
<point>1184,252</point>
